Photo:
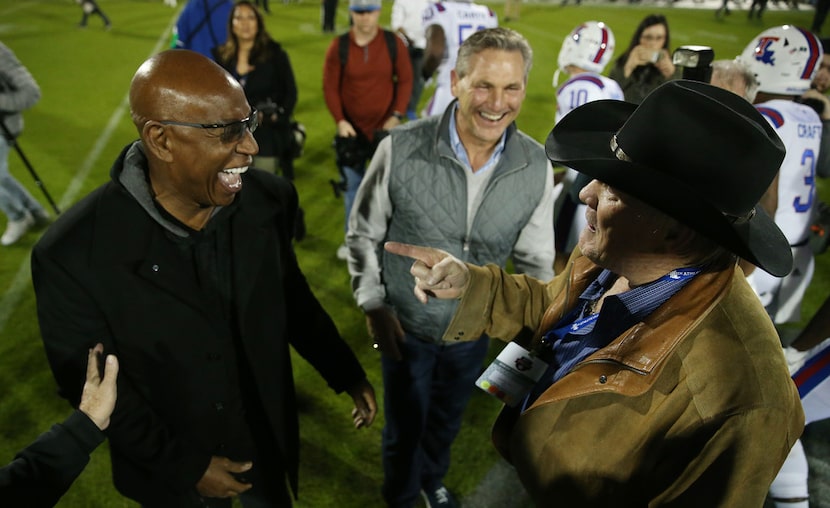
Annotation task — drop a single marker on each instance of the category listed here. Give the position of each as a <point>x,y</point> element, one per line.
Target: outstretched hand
<point>437,273</point>
<point>99,393</point>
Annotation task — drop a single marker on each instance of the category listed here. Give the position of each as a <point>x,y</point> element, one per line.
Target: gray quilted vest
<point>429,191</point>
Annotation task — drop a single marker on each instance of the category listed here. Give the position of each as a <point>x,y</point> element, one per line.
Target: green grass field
<point>82,122</point>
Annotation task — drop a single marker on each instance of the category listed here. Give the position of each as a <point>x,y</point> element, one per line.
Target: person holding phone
<point>647,63</point>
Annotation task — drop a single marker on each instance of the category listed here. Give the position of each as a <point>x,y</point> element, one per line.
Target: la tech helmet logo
<point>762,52</point>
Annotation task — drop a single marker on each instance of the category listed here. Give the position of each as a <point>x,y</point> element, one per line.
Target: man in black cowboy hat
<point>665,382</point>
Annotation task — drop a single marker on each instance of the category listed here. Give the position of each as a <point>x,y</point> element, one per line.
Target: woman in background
<point>646,63</point>
<point>263,68</point>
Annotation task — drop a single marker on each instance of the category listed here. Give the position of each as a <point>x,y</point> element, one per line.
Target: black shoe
<point>299,225</point>
<point>439,498</point>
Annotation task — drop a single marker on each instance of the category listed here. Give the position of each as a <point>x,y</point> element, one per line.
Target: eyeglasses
<point>231,132</point>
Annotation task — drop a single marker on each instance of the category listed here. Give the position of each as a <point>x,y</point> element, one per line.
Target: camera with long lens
<point>696,62</point>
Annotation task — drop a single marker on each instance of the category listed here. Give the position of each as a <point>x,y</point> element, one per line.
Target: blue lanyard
<point>576,325</point>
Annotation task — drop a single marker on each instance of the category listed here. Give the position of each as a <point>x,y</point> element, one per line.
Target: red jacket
<point>365,94</point>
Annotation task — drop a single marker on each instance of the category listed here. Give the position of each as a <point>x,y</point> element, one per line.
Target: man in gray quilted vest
<point>468,182</point>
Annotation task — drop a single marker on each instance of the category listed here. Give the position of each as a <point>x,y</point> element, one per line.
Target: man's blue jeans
<point>15,200</point>
<point>353,175</point>
<point>425,395</point>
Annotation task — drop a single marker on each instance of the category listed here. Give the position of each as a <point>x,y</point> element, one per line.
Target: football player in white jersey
<point>585,53</point>
<point>447,25</point>
<point>784,60</point>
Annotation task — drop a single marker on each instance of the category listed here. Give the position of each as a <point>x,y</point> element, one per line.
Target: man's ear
<point>680,238</point>
<point>156,141</point>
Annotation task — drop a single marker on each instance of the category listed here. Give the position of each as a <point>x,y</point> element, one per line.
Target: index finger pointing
<point>427,255</point>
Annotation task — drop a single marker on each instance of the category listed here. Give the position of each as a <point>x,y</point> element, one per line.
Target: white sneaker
<point>15,229</point>
<point>343,252</point>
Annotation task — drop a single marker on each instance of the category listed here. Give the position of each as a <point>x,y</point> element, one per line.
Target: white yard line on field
<point>21,281</point>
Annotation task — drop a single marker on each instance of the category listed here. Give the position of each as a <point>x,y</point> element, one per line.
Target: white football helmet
<point>784,59</point>
<point>589,46</point>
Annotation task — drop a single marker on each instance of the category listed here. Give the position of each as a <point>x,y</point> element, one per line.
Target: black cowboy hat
<point>698,153</point>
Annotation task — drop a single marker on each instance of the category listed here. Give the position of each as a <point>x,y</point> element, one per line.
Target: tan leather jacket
<point>691,407</point>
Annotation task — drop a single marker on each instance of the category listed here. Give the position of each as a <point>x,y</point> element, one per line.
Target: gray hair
<point>732,73</point>
<point>493,38</point>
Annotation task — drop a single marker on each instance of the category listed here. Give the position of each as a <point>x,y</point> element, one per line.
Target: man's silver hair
<point>734,72</point>
<point>493,38</point>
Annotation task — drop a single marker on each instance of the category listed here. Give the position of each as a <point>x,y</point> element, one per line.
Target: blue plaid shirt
<point>577,336</point>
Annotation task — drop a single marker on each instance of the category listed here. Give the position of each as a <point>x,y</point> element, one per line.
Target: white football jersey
<point>459,20</point>
<point>407,14</point>
<point>584,88</point>
<point>799,127</point>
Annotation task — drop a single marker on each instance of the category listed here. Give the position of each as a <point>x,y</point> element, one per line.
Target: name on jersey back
<point>472,15</point>
<point>809,131</point>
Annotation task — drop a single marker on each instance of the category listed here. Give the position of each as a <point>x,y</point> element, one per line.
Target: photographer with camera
<point>18,91</point>
<point>263,68</point>
<point>367,82</point>
<point>646,64</point>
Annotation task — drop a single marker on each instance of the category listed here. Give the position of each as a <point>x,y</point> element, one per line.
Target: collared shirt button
<point>603,379</point>
<point>219,406</point>
<point>155,268</point>
<point>213,356</point>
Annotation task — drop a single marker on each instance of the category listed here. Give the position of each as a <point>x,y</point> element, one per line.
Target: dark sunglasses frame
<point>231,131</point>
